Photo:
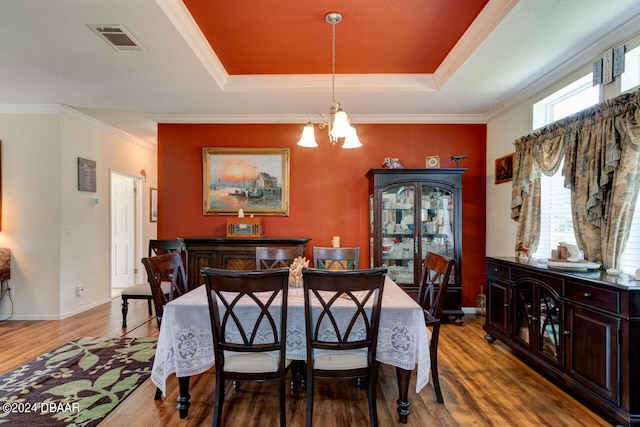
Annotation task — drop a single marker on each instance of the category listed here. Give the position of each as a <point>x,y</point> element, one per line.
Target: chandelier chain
<point>333,64</point>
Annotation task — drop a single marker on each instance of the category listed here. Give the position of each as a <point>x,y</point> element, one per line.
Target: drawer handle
<point>496,270</point>
<point>506,305</point>
<point>587,295</point>
<point>567,333</point>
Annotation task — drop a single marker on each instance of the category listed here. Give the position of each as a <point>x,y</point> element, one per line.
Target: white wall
<point>31,210</point>
<point>41,199</point>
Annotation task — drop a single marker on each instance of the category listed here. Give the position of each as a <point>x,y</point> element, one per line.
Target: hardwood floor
<point>482,384</point>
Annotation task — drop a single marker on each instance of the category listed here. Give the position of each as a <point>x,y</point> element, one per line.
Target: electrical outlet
<point>79,289</point>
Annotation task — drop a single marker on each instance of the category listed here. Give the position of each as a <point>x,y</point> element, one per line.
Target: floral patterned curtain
<point>600,148</point>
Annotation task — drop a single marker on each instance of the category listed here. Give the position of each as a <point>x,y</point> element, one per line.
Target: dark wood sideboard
<point>581,329</point>
<point>231,253</point>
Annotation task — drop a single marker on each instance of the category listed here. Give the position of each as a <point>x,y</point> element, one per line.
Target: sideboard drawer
<point>499,270</point>
<point>604,299</point>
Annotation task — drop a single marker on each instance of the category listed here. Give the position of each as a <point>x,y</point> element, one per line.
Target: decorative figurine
<point>240,213</point>
<point>295,271</point>
<point>522,251</point>
<point>391,163</point>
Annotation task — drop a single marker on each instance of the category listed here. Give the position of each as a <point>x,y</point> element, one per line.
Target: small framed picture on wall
<point>504,169</point>
<point>153,206</point>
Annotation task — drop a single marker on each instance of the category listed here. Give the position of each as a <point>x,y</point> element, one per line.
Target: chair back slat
<point>354,295</point>
<point>330,258</point>
<point>247,308</point>
<point>276,257</point>
<point>436,275</point>
<point>159,247</point>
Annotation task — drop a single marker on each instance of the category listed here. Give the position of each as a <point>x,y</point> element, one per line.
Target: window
<point>556,224</point>
<point>555,202</point>
<point>631,76</point>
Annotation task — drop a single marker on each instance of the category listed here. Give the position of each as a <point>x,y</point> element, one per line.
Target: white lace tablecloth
<point>185,344</point>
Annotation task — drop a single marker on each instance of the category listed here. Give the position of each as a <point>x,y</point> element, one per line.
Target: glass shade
<point>341,126</point>
<point>308,138</point>
<point>351,140</point>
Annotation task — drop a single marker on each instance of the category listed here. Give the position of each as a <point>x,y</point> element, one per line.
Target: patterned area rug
<point>77,384</point>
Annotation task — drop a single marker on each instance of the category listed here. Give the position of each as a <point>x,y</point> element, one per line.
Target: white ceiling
<point>48,55</point>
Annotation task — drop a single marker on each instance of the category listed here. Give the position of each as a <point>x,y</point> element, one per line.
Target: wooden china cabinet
<point>412,212</point>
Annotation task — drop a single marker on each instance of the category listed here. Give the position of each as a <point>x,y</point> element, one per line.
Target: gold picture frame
<point>504,169</point>
<point>255,180</point>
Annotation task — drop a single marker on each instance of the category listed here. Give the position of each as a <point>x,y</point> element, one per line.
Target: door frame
<point>138,187</point>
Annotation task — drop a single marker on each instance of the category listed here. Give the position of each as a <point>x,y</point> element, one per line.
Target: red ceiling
<point>292,37</point>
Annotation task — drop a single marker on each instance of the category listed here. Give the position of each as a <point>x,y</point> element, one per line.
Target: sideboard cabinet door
<point>593,350</point>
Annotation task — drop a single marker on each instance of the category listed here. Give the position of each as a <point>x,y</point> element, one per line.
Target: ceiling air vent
<point>117,37</point>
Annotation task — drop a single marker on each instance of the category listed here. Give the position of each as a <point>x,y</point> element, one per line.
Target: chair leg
<point>149,306</point>
<point>125,309</point>
<point>217,405</point>
<point>298,375</point>
<point>158,395</point>
<point>309,419</point>
<point>371,395</point>
<point>434,367</point>
<point>283,396</point>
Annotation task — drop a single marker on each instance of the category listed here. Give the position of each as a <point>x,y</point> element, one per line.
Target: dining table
<point>185,343</point>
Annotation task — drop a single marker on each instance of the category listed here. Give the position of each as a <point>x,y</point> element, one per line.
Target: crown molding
<point>30,108</point>
<point>303,118</point>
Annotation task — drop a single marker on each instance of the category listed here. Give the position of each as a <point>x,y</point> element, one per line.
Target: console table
<point>237,253</point>
<point>580,328</point>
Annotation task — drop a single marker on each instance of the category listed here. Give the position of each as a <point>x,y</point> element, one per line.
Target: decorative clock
<point>433,162</point>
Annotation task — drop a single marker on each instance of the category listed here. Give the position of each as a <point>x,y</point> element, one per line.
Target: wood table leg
<point>404,376</point>
<point>183,397</point>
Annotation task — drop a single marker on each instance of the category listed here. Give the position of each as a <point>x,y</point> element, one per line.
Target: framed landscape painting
<point>255,180</point>
<point>504,169</point>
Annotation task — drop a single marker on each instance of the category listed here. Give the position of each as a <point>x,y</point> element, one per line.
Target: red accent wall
<point>328,194</point>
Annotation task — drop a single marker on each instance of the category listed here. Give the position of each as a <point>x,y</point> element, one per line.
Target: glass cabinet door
<point>537,320</point>
<point>398,226</point>
<point>549,331</point>
<point>437,221</point>
<point>524,313</point>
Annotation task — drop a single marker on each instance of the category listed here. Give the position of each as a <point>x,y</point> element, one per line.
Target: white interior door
<point>123,230</point>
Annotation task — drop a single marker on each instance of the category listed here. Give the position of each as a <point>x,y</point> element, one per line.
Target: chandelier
<point>338,123</point>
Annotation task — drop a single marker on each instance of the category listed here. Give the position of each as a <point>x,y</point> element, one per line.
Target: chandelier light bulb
<point>341,126</point>
<point>351,140</point>
<point>308,138</point>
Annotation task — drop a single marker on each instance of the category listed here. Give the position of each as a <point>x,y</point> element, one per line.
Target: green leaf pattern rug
<point>77,384</point>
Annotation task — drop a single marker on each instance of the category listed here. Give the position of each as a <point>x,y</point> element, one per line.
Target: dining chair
<point>276,257</point>
<point>330,258</point>
<point>142,290</point>
<point>436,272</point>
<point>342,315</point>
<point>167,279</point>
<point>248,312</point>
